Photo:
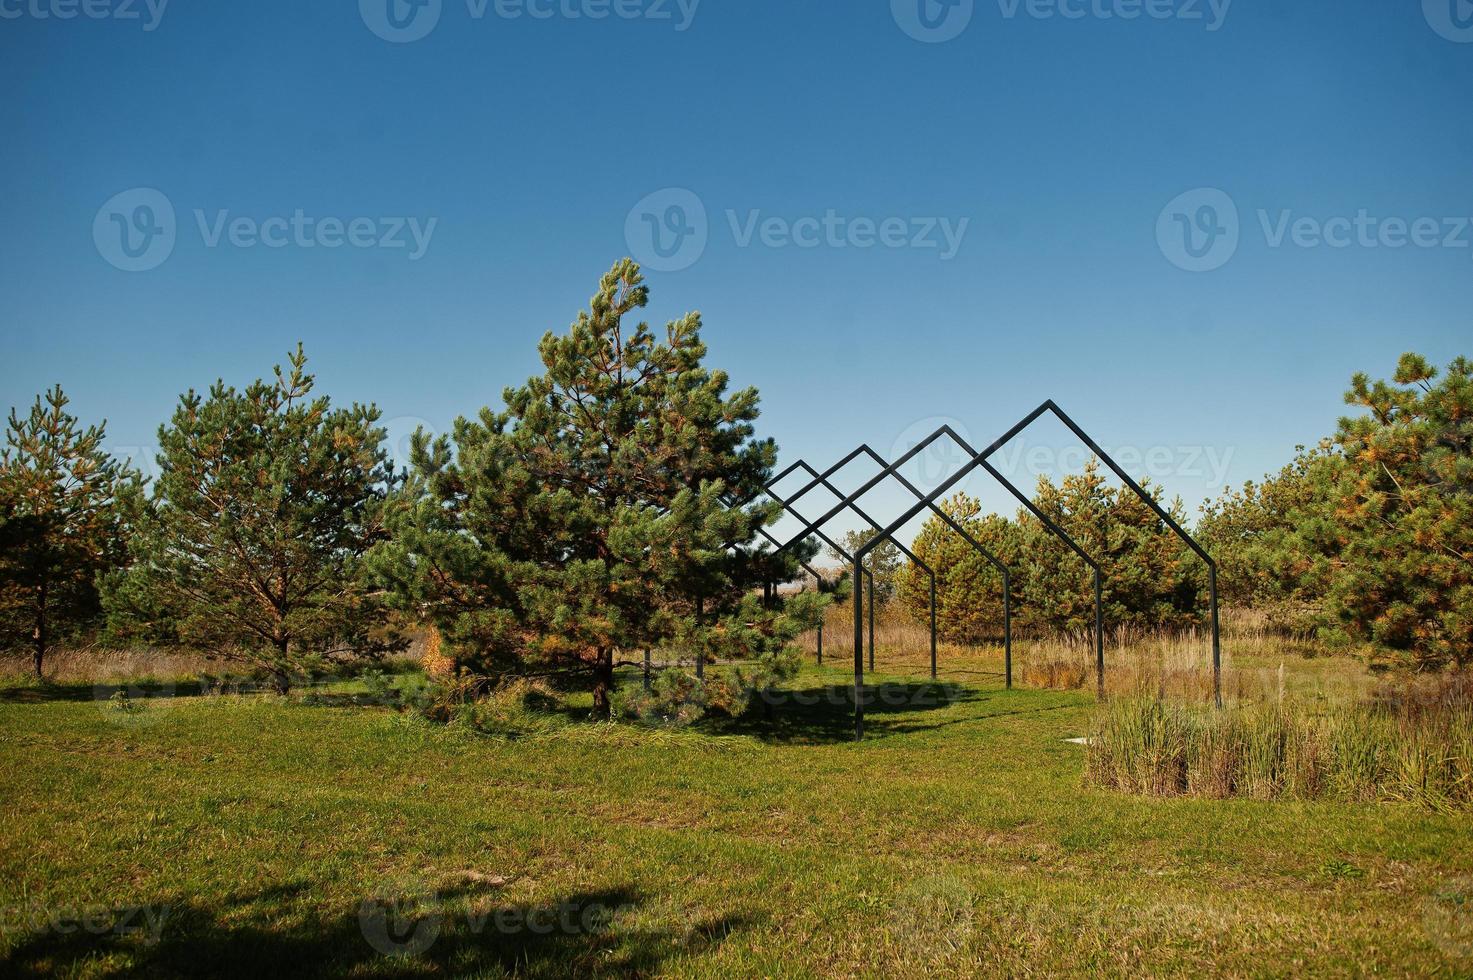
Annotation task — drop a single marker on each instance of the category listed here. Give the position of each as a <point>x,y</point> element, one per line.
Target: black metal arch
<point>929,501</point>
<point>868,575</point>
<point>787,504</point>
<point>865,450</point>
<point>980,459</point>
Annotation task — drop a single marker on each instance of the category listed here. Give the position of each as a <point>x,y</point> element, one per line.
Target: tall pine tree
<point>590,517</point>
<point>1403,564</point>
<point>252,541</point>
<point>59,525</point>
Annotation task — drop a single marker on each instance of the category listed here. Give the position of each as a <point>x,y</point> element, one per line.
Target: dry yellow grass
<point>1256,661</point>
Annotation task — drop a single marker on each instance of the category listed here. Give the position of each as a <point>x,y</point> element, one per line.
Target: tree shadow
<point>75,691</point>
<point>824,713</point>
<point>401,931</point>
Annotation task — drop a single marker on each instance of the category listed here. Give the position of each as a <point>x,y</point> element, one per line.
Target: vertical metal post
<point>1216,638</point>
<point>820,644</point>
<point>872,624</point>
<point>1099,640</point>
<point>1007,628</point>
<point>646,670</point>
<point>858,655</point>
<point>933,627</point>
<point>700,637</point>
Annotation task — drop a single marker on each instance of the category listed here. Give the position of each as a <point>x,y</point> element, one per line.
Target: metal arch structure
<point>929,501</point>
<point>787,505</point>
<point>980,459</point>
<point>868,575</point>
<point>821,479</point>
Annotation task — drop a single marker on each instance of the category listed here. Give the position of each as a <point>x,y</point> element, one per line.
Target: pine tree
<point>969,590</point>
<point>59,524</point>
<point>883,562</point>
<point>1404,566</point>
<point>590,516</point>
<point>1272,539</point>
<point>251,543</point>
<point>1149,579</point>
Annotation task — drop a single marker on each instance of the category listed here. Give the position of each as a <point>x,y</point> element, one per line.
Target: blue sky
<point>1069,148</point>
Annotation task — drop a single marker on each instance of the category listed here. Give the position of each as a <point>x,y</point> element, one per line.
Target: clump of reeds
<point>1409,741</point>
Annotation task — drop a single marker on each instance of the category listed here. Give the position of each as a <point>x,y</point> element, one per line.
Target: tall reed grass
<point>1408,741</point>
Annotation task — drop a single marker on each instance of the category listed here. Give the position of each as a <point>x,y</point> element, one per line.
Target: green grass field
<point>254,835</point>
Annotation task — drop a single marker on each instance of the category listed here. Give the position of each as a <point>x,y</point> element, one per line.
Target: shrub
<point>674,698</point>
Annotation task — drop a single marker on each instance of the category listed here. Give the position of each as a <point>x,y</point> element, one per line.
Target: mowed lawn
<point>262,836</point>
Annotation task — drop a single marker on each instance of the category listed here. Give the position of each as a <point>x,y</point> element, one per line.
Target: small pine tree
<point>59,524</point>
<point>252,541</point>
<point>883,562</point>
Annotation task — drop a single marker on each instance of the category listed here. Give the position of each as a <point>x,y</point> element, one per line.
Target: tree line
<point>612,504</point>
<point>1365,539</point>
<point>608,507</point>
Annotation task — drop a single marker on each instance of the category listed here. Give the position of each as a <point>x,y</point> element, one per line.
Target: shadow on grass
<point>48,691</point>
<point>447,932</point>
<point>825,713</point>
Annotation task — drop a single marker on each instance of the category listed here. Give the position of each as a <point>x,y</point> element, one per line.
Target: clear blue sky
<point>1060,140</point>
